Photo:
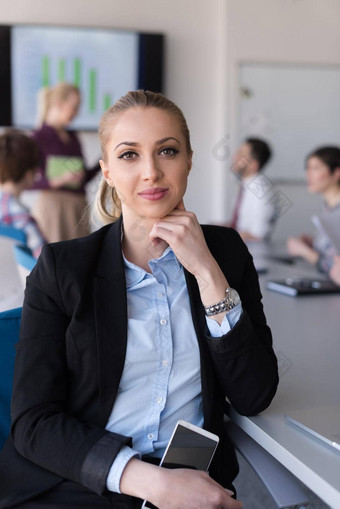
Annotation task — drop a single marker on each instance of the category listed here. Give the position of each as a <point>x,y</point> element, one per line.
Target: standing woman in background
<point>323,177</point>
<point>61,205</point>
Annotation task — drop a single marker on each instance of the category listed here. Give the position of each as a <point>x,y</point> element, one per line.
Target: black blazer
<point>71,355</point>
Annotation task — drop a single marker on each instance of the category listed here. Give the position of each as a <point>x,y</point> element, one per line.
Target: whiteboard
<point>296,108</point>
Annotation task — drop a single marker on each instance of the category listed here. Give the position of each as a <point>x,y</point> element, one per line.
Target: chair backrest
<point>9,335</point>
<point>12,233</point>
<point>25,262</point>
<point>11,289</point>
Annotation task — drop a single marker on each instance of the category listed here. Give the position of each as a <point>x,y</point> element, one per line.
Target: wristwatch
<point>230,301</point>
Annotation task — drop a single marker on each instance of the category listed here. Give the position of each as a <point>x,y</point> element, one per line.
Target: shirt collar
<point>135,274</point>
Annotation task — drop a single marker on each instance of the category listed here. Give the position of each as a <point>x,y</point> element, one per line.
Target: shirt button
<point>165,363</point>
<point>150,436</point>
<point>159,400</point>
<point>160,295</point>
<point>163,321</point>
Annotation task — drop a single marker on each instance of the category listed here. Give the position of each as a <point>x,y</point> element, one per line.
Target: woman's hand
<point>334,273</point>
<point>69,179</point>
<point>190,489</point>
<point>175,489</point>
<point>181,230</point>
<point>298,247</point>
<point>307,239</point>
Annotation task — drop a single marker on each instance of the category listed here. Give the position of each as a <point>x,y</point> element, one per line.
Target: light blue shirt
<point>161,380</point>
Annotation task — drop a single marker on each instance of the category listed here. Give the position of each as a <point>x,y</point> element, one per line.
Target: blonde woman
<point>62,175</point>
<point>149,320</point>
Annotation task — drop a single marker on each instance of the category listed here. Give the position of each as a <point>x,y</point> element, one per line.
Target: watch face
<point>234,296</point>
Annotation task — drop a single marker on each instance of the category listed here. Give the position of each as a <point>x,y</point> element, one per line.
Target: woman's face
<point>147,162</point>
<point>68,108</point>
<point>319,177</point>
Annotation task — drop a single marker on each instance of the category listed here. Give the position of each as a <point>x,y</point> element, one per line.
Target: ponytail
<point>44,100</point>
<point>107,205</point>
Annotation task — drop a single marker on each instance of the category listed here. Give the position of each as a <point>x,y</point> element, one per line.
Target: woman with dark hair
<point>149,320</point>
<point>323,177</point>
<point>19,158</point>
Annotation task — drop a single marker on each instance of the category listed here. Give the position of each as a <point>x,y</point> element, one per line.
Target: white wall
<point>286,31</point>
<point>194,74</point>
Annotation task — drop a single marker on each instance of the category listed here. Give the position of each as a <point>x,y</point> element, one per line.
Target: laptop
<point>322,423</point>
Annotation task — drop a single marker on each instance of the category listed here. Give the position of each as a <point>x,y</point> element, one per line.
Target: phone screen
<point>187,449</point>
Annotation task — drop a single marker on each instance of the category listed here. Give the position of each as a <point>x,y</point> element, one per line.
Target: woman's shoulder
<point>83,245</point>
<point>72,258</point>
<point>221,234</point>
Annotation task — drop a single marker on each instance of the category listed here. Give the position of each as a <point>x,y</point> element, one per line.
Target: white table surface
<point>306,338</point>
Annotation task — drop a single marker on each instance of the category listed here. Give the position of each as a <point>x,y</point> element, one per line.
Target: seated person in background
<point>61,207</point>
<point>323,176</point>
<point>334,273</point>
<point>254,216</point>
<point>131,329</point>
<point>19,158</point>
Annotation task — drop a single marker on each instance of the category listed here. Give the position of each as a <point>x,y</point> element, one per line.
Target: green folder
<point>57,166</point>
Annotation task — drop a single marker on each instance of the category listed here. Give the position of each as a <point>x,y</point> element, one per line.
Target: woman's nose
<point>151,169</point>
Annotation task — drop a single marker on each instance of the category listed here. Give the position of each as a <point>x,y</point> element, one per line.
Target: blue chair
<point>25,262</point>
<point>12,233</point>
<point>11,288</point>
<point>9,335</point>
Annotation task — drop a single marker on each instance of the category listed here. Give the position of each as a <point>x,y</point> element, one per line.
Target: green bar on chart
<point>107,101</point>
<point>61,69</point>
<point>45,71</point>
<point>77,72</point>
<point>92,90</point>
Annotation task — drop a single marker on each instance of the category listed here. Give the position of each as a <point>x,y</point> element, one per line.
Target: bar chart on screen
<point>103,64</point>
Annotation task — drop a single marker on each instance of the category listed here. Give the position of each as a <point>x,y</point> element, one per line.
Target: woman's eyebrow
<point>158,142</point>
<point>129,143</point>
<point>163,140</point>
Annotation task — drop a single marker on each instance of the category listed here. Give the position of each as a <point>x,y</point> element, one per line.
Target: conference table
<point>306,339</point>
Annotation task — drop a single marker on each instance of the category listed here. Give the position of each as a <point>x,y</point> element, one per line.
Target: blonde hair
<point>48,96</point>
<point>107,205</point>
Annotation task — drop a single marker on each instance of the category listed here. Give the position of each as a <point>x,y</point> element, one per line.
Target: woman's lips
<point>154,194</point>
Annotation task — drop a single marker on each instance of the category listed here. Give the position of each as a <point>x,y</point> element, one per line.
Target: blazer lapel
<point>110,310</point>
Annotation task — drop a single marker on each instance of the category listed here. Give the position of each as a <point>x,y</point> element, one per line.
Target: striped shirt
<point>13,213</point>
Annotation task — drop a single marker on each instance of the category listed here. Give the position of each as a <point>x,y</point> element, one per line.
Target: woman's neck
<point>137,245</point>
<point>12,188</point>
<point>332,196</point>
<point>59,128</point>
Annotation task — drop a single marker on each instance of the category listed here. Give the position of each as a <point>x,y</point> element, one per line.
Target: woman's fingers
<point>192,489</point>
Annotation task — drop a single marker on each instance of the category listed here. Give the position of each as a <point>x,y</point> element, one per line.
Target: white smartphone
<point>188,447</point>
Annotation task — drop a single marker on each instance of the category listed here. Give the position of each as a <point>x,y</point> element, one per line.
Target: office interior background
<point>205,44</point>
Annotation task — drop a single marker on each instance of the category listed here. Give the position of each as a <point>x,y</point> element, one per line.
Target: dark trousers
<point>72,495</point>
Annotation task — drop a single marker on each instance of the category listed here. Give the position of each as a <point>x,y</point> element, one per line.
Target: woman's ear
<point>190,162</point>
<point>337,172</point>
<point>105,172</point>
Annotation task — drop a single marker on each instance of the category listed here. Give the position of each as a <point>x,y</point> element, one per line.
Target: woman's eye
<point>128,155</point>
<point>169,151</point>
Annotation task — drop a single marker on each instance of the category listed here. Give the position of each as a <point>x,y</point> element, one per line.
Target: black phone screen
<point>188,449</point>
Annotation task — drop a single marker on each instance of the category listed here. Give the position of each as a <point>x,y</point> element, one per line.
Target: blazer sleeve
<point>243,359</point>
<point>44,430</point>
